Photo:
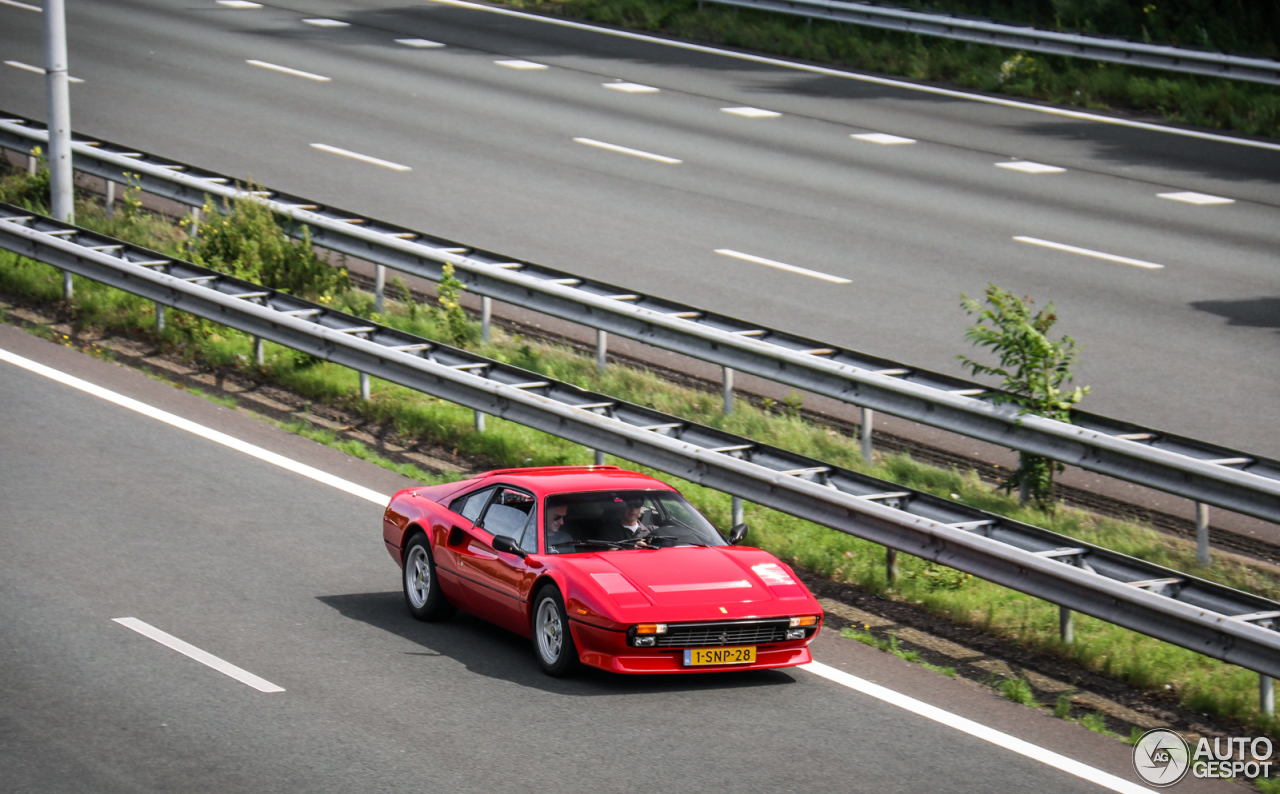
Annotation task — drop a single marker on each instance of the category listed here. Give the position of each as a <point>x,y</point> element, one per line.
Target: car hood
<point>690,576</point>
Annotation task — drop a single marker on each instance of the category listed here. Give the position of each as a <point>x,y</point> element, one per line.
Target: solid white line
<point>977,730</point>
<point>1195,198</point>
<point>817,668</point>
<point>38,70</point>
<point>829,72</point>
<point>624,150</point>
<point>364,158</point>
<point>200,430</point>
<point>286,70</point>
<point>23,6</point>
<point>783,266</point>
<point>1071,249</point>
<point>187,649</point>
<point>883,138</point>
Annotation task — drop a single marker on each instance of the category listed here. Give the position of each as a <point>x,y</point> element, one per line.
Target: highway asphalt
<point>107,513</point>
<point>509,159</point>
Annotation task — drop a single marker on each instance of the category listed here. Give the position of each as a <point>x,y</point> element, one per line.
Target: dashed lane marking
<point>23,6</point>
<point>1071,249</point>
<point>1028,167</point>
<point>882,138</point>
<point>364,158</point>
<point>1195,198</point>
<point>420,44</point>
<point>752,113</point>
<point>631,88</point>
<point>803,271</point>
<point>238,4</point>
<point>203,657</point>
<point>26,67</point>
<point>523,66</point>
<point>326,23</point>
<point>286,70</point>
<point>613,147</point>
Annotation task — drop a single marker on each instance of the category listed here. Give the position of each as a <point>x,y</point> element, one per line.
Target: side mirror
<point>737,534</point>
<point>505,544</point>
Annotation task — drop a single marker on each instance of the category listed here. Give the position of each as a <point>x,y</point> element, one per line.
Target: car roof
<point>568,479</point>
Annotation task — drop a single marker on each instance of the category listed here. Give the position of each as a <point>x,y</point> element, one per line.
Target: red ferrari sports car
<point>601,566</point>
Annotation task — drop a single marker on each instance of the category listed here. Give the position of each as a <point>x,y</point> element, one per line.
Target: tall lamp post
<point>61,184</point>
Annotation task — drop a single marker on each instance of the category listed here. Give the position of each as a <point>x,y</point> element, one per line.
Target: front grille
<point>693,635</point>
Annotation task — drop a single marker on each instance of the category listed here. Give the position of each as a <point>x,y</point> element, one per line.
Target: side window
<point>469,506</point>
<point>529,539</point>
<point>508,513</point>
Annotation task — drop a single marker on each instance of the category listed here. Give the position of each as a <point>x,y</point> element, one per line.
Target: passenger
<point>554,533</point>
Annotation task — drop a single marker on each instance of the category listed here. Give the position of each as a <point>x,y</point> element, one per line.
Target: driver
<point>629,526</point>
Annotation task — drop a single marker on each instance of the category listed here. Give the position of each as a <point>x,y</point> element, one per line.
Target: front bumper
<point>608,650</point>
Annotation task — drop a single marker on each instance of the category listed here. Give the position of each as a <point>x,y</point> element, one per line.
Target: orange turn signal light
<point>651,628</point>
<point>807,620</point>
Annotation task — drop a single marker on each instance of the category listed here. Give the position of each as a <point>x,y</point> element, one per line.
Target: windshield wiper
<point>645,539</point>
<point>606,543</point>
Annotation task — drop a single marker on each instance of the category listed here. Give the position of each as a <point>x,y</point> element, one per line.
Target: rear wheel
<point>422,591</point>
<point>552,641</point>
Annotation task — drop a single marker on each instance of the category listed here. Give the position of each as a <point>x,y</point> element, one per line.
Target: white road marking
<point>631,88</point>
<point>23,6</point>
<point>803,271</point>
<point>239,4</point>
<point>1028,167</point>
<point>196,429</point>
<point>1071,249</point>
<point>977,730</point>
<point>286,70</point>
<point>1026,749</point>
<point>203,657</point>
<point>633,152</point>
<point>525,66</point>
<point>364,158</point>
<point>327,23</point>
<point>882,138</point>
<point>752,113</point>
<point>865,78</point>
<point>38,70</point>
<point>1195,198</point>
<point>419,43</point>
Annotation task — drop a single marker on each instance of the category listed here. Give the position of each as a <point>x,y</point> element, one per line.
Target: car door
<point>501,581</point>
<point>451,541</point>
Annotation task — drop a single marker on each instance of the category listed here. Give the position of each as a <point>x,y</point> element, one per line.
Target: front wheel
<point>421,585</point>
<point>552,641</point>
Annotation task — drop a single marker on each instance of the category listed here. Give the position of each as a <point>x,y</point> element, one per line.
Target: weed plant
<point>1200,683</point>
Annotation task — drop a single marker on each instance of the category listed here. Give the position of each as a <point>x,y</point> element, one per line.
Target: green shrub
<point>1018,690</point>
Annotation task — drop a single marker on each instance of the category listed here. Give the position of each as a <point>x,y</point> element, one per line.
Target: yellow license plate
<point>742,655</point>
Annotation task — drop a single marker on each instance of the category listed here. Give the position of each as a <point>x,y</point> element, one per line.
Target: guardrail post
<point>1066,631</point>
<point>602,350</point>
<point>890,565</point>
<point>479,422</point>
<point>109,200</point>
<point>866,434</point>
<point>258,355</point>
<point>599,461</point>
<point>726,374</point>
<point>736,512</point>
<point>364,386</point>
<point>486,319</point>
<point>1266,695</point>
<point>33,165</point>
<point>379,286</point>
<point>159,317</point>
<point>1202,535</point>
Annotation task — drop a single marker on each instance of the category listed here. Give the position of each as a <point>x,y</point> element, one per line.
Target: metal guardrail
<point>1026,37</point>
<point>1205,473</point>
<point>1203,616</point>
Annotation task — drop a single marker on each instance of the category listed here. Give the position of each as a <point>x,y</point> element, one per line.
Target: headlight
<point>796,634</point>
<point>807,620</point>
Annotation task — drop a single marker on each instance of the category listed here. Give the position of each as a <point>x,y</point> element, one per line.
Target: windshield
<point>611,520</point>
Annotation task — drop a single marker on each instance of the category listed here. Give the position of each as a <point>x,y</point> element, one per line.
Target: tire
<point>422,592</point>
<point>552,640</point>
